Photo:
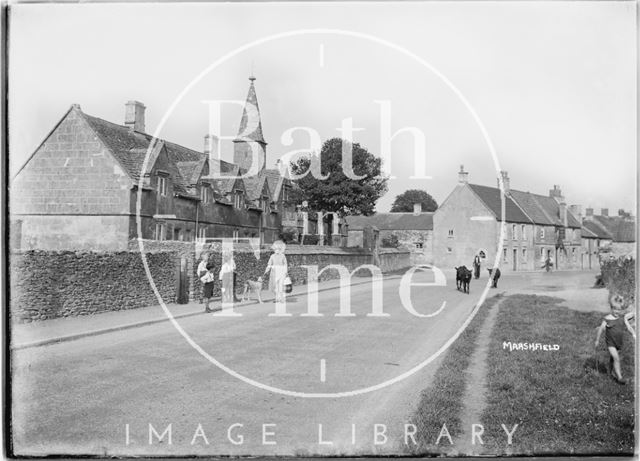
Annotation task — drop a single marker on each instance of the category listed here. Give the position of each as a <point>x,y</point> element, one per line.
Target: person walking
<point>205,274</point>
<point>277,270</point>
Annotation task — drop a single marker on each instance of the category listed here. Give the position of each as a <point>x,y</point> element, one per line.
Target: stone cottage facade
<point>469,222</point>
<point>82,186</point>
<point>615,235</point>
<point>414,231</point>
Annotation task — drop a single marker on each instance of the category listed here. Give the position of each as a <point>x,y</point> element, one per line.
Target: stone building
<point>414,231</point>
<point>82,186</point>
<point>615,235</point>
<point>469,222</point>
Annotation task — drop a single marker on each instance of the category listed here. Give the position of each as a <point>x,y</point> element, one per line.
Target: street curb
<point>127,326</point>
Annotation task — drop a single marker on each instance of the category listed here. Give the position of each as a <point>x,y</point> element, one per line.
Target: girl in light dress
<point>277,270</point>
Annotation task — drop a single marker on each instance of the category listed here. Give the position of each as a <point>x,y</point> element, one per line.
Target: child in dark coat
<point>613,326</point>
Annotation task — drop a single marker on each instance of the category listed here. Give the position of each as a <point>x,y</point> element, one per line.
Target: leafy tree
<point>404,202</point>
<point>331,189</point>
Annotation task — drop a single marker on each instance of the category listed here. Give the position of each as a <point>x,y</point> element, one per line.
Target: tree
<point>330,189</point>
<point>405,201</point>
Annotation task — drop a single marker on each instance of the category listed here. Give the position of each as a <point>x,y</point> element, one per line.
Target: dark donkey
<point>463,278</point>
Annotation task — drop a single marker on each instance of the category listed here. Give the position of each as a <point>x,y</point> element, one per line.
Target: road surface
<point>104,394</point>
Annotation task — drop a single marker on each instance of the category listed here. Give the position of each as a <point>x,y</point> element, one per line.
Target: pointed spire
<point>250,124</point>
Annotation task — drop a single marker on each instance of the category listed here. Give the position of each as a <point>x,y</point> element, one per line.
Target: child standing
<point>614,325</point>
<point>226,277</point>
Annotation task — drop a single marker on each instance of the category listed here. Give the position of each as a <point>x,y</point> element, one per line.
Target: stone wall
<point>53,284</point>
<point>47,284</point>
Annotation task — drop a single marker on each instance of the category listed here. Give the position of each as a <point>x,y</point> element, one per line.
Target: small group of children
<point>614,325</point>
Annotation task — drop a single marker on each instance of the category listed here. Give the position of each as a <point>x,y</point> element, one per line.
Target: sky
<point>552,83</point>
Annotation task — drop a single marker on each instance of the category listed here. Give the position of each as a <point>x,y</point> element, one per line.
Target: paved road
<point>77,397</point>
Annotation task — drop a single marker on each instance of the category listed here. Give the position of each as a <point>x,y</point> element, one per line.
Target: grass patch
<point>442,402</point>
<point>563,405</point>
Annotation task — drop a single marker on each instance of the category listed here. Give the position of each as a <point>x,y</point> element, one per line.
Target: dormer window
<point>264,203</point>
<point>162,185</point>
<point>238,199</point>
<point>205,193</point>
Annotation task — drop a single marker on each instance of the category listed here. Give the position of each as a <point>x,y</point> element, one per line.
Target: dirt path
<point>474,396</point>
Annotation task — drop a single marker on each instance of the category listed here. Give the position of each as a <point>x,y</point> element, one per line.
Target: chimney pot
<point>134,116</point>
<point>505,181</point>
<point>463,176</point>
<point>417,208</point>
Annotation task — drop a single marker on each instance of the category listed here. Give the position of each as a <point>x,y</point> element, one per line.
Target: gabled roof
<point>591,229</point>
<point>392,221</point>
<point>532,207</point>
<point>621,229</point>
<point>255,185</point>
<point>492,198</point>
<point>250,123</point>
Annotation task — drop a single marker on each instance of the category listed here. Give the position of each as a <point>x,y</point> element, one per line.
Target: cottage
<point>413,231</point>
<point>82,186</point>
<point>469,222</point>
<point>610,234</point>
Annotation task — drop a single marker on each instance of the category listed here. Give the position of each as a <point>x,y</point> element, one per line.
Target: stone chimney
<point>589,212</point>
<point>623,213</point>
<point>604,212</point>
<point>463,176</point>
<point>562,209</point>
<point>505,181</point>
<point>417,208</point>
<point>211,151</point>
<point>556,193</point>
<point>576,210</point>
<point>134,116</point>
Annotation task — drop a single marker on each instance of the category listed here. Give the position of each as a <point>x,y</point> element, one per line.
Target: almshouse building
<point>470,219</point>
<point>82,186</point>
<point>414,231</point>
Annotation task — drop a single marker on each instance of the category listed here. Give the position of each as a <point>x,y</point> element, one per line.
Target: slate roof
<point>392,221</point>
<point>491,197</point>
<point>621,229</point>
<point>524,207</point>
<point>533,208</point>
<point>254,186</point>
<point>186,165</point>
<point>274,181</point>
<point>591,229</point>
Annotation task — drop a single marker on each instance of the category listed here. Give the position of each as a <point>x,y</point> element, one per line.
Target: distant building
<point>537,227</point>
<point>611,234</point>
<point>80,188</point>
<point>414,231</point>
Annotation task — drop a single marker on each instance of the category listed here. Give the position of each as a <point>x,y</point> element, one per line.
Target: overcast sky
<point>554,83</point>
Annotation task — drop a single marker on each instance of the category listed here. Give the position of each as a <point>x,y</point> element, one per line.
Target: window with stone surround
<point>202,232</point>
<point>504,254</point>
<point>205,193</point>
<point>162,186</point>
<point>524,254</point>
<point>523,232</point>
<point>450,233</point>
<point>161,231</point>
<point>542,232</point>
<point>235,234</point>
<point>238,199</point>
<point>514,229</point>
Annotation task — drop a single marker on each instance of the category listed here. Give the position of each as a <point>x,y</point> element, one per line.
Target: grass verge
<point>562,403</point>
<point>442,402</point>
